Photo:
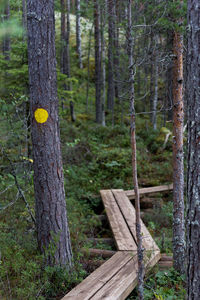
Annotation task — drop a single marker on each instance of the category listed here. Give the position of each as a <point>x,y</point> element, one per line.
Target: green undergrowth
<point>162,285</point>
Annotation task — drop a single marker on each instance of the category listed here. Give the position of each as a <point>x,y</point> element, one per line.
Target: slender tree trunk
<point>134,158</point>
<point>78,33</point>
<point>66,58</point>
<point>103,22</point>
<point>98,73</point>
<point>63,34</point>
<point>116,50</point>
<point>193,175</point>
<point>111,85</point>
<point>88,67</point>
<point>6,40</point>
<point>24,14</point>
<point>51,218</point>
<point>169,77</point>
<point>178,155</point>
<point>155,98</point>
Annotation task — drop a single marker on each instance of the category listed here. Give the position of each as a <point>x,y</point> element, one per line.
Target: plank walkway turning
<point>117,277</point>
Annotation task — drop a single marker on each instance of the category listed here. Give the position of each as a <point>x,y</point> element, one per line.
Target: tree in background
<point>78,33</point>
<point>98,65</point>
<point>134,155</point>
<point>178,155</point>
<point>50,206</point>
<point>193,175</point>
<point>6,40</point>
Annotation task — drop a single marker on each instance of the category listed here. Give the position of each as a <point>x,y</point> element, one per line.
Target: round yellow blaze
<point>41,115</point>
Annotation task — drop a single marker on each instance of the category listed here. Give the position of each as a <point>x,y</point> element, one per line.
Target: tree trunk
<point>111,85</point>
<point>103,22</point>
<point>98,73</point>
<point>155,98</point>
<point>24,14</point>
<point>88,67</point>
<point>134,158</point>
<point>51,218</point>
<point>193,175</point>
<point>178,167</point>
<point>6,40</point>
<point>78,33</point>
<point>63,35</point>
<point>66,59</point>
<point>116,51</point>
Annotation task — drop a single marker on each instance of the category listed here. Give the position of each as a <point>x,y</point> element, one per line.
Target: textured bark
<point>193,176</point>
<point>134,158</point>
<point>111,85</point>
<point>52,225</point>
<point>178,167</point>
<point>98,73</point>
<point>6,40</point>
<point>78,33</point>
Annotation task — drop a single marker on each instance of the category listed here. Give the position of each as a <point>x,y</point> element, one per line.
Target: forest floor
<point>94,158</point>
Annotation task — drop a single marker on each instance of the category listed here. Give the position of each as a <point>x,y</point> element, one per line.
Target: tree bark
<point>98,73</point>
<point>50,206</point>
<point>178,156</point>
<point>78,33</point>
<point>134,157</point>
<point>193,175</point>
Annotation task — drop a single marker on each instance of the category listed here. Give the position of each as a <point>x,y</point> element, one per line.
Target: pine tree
<point>50,206</point>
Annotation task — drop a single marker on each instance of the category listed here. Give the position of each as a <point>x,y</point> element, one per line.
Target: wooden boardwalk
<point>117,277</point>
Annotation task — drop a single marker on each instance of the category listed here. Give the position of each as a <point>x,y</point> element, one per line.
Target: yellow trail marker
<point>41,115</point>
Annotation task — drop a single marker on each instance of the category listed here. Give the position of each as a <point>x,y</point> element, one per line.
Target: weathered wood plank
<point>128,212</point>
<point>121,233</point>
<point>121,285</point>
<point>96,280</point>
<point>149,190</point>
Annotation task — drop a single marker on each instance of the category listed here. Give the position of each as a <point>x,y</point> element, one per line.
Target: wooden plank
<point>96,280</point>
<point>156,189</point>
<point>122,284</point>
<point>128,212</point>
<point>121,233</point>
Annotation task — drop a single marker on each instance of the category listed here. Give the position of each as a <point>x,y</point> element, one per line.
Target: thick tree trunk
<point>178,167</point>
<point>6,40</point>
<point>78,33</point>
<point>98,73</point>
<point>193,176</point>
<point>134,158</point>
<point>52,226</point>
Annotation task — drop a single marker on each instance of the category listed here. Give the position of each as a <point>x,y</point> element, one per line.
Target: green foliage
<point>163,285</point>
